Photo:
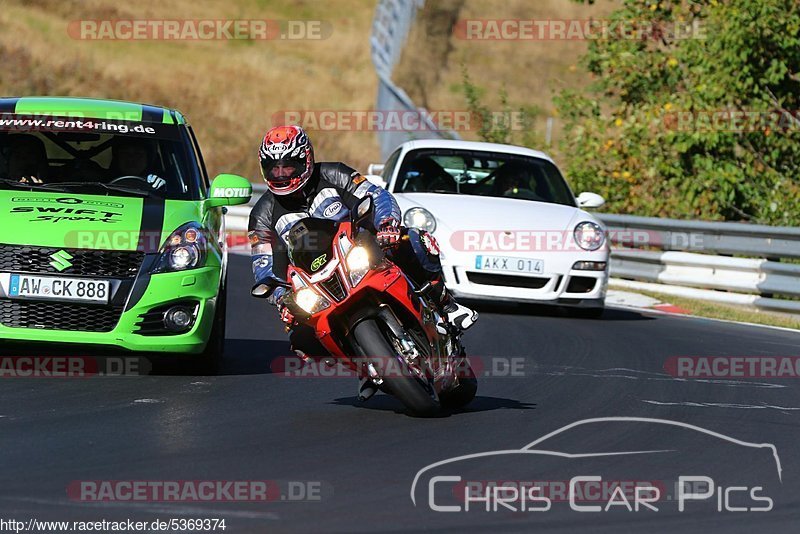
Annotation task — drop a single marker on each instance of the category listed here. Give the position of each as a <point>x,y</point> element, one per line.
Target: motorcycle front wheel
<point>466,388</point>
<point>399,379</point>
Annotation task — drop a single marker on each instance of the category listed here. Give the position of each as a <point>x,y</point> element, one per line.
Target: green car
<point>112,235</point>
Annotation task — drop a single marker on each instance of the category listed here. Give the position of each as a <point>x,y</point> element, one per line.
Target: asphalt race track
<point>253,424</point>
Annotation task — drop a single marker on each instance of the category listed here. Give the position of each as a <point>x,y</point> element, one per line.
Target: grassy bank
<point>728,312</point>
<point>229,89</point>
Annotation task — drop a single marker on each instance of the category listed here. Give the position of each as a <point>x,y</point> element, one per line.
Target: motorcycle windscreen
<point>311,243</point>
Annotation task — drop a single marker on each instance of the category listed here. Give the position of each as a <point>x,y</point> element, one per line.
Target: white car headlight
<point>358,264</point>
<point>589,236</point>
<point>420,218</point>
<point>310,301</point>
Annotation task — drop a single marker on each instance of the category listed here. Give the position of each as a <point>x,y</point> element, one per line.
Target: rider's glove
<point>389,233</point>
<point>286,315</point>
<point>155,181</point>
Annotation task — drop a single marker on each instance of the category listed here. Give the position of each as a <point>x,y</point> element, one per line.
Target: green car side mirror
<point>229,190</point>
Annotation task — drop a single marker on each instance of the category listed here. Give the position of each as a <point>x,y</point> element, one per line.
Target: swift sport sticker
<point>52,214</point>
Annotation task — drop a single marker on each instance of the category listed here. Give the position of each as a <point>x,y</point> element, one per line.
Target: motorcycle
<point>371,317</point>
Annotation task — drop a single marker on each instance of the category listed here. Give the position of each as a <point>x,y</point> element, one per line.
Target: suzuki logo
<point>61,260</point>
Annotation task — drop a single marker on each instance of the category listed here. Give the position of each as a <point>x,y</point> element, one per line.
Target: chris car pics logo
<point>638,479</point>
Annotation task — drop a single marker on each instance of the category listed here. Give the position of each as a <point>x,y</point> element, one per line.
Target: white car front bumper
<point>559,283</point>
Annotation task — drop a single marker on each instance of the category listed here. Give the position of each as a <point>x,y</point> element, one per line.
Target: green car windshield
<point>111,157</point>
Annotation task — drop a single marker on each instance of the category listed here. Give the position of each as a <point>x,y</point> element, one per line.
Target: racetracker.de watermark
<point>494,366</point>
<point>576,30</point>
<point>198,490</point>
<point>461,241</point>
<point>478,240</point>
<point>733,366</point>
<point>518,491</point>
<point>726,120</point>
<point>331,120</point>
<point>71,366</point>
<point>198,29</point>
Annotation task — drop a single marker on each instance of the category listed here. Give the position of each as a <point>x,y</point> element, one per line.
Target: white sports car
<point>507,223</point>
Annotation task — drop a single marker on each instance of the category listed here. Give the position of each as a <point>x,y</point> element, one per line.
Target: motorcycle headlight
<point>589,236</point>
<point>310,301</point>
<point>186,248</point>
<point>420,218</point>
<point>358,264</point>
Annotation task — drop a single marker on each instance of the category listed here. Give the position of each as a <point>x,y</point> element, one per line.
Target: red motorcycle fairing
<point>385,284</point>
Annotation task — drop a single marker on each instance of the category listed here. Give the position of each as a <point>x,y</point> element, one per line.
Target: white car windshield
<point>488,174</point>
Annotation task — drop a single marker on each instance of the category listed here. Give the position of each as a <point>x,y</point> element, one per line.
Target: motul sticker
<point>231,192</point>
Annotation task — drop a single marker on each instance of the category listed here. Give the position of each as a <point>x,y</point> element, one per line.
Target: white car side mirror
<point>375,179</point>
<point>590,200</point>
<point>375,168</point>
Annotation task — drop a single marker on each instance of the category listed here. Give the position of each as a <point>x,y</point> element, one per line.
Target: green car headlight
<point>186,248</point>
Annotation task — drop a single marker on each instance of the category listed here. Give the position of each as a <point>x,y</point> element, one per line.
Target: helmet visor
<point>282,171</point>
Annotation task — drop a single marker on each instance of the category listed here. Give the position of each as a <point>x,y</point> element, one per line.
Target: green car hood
<point>66,220</point>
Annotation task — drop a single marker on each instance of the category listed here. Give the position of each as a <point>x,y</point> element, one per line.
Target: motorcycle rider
<point>298,187</point>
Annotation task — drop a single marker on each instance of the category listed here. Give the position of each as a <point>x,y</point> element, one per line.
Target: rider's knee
<point>426,249</point>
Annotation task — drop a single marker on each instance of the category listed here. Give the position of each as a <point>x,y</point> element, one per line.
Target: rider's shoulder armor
<point>338,174</point>
<point>261,214</point>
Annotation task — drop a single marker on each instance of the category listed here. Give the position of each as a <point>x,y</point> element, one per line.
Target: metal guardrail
<point>724,238</point>
<point>695,260</point>
<point>687,262</point>
<point>390,27</point>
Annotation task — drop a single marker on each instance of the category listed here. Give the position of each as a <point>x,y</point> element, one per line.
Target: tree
<point>701,122</point>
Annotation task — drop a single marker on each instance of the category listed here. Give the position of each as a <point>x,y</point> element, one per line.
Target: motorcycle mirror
<point>260,290</point>
<point>362,211</point>
<point>265,289</point>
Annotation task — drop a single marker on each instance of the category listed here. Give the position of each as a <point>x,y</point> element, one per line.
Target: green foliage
<point>650,132</point>
<point>504,125</point>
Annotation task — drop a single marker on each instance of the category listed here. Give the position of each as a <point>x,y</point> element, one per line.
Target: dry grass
<point>729,312</point>
<point>531,71</point>
<point>230,90</point>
